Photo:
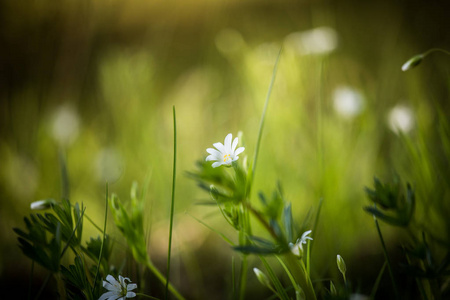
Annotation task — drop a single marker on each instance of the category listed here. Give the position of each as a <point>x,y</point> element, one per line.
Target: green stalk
<point>43,286</point>
<point>377,282</point>
<point>298,271</point>
<point>291,278</point>
<point>281,291</point>
<point>173,199</point>
<point>435,50</point>
<point>243,277</point>
<point>72,235</point>
<point>418,281</point>
<point>394,285</point>
<point>103,240</point>
<point>261,123</point>
<point>161,278</point>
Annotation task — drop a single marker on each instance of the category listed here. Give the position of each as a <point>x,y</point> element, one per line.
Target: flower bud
<point>332,289</point>
<point>412,62</point>
<point>42,204</point>
<point>262,278</point>
<point>341,265</point>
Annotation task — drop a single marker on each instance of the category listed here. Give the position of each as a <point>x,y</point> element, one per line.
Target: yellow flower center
<point>226,157</point>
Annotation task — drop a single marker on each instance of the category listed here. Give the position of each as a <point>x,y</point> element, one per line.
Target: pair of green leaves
<point>393,205</point>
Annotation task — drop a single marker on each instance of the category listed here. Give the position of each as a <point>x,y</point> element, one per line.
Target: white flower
<point>297,248</point>
<point>401,119</point>
<point>347,102</point>
<point>226,153</point>
<point>320,40</point>
<point>42,204</point>
<point>118,290</point>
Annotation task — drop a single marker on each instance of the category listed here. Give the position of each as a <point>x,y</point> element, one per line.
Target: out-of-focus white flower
<point>357,296</point>
<point>297,248</point>
<point>347,102</point>
<point>320,40</point>
<point>42,204</point>
<point>401,119</point>
<point>226,153</point>
<point>65,125</point>
<point>229,41</point>
<point>109,165</point>
<point>118,289</point>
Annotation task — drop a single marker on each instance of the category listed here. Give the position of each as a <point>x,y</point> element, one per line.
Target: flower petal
<point>239,150</point>
<point>235,142</point>
<point>131,286</point>
<point>214,152</point>
<point>219,147</point>
<point>109,296</point>
<point>111,287</point>
<point>216,164</point>
<point>211,157</point>
<point>227,142</point>
<point>130,295</point>
<point>111,279</point>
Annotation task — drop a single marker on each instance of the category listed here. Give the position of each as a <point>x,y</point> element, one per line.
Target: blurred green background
<point>96,82</point>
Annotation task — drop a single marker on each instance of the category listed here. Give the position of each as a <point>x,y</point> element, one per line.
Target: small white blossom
<point>320,40</point>
<point>118,290</point>
<point>401,119</point>
<point>347,102</point>
<point>226,153</point>
<point>297,248</point>
<point>42,204</point>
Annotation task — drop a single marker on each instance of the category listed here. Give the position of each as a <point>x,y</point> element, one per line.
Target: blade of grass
<point>73,233</point>
<point>261,123</point>
<point>103,240</point>
<point>377,282</point>
<point>44,284</point>
<point>243,278</point>
<point>281,291</point>
<point>173,200</point>
<point>291,278</point>
<point>388,261</point>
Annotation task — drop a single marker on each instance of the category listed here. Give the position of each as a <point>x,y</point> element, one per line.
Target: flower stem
<point>297,269</point>
<point>161,278</point>
<point>435,50</point>
<point>243,277</point>
<point>103,241</point>
<point>261,123</point>
<point>291,278</point>
<point>43,286</point>
<point>173,200</point>
<point>261,220</point>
